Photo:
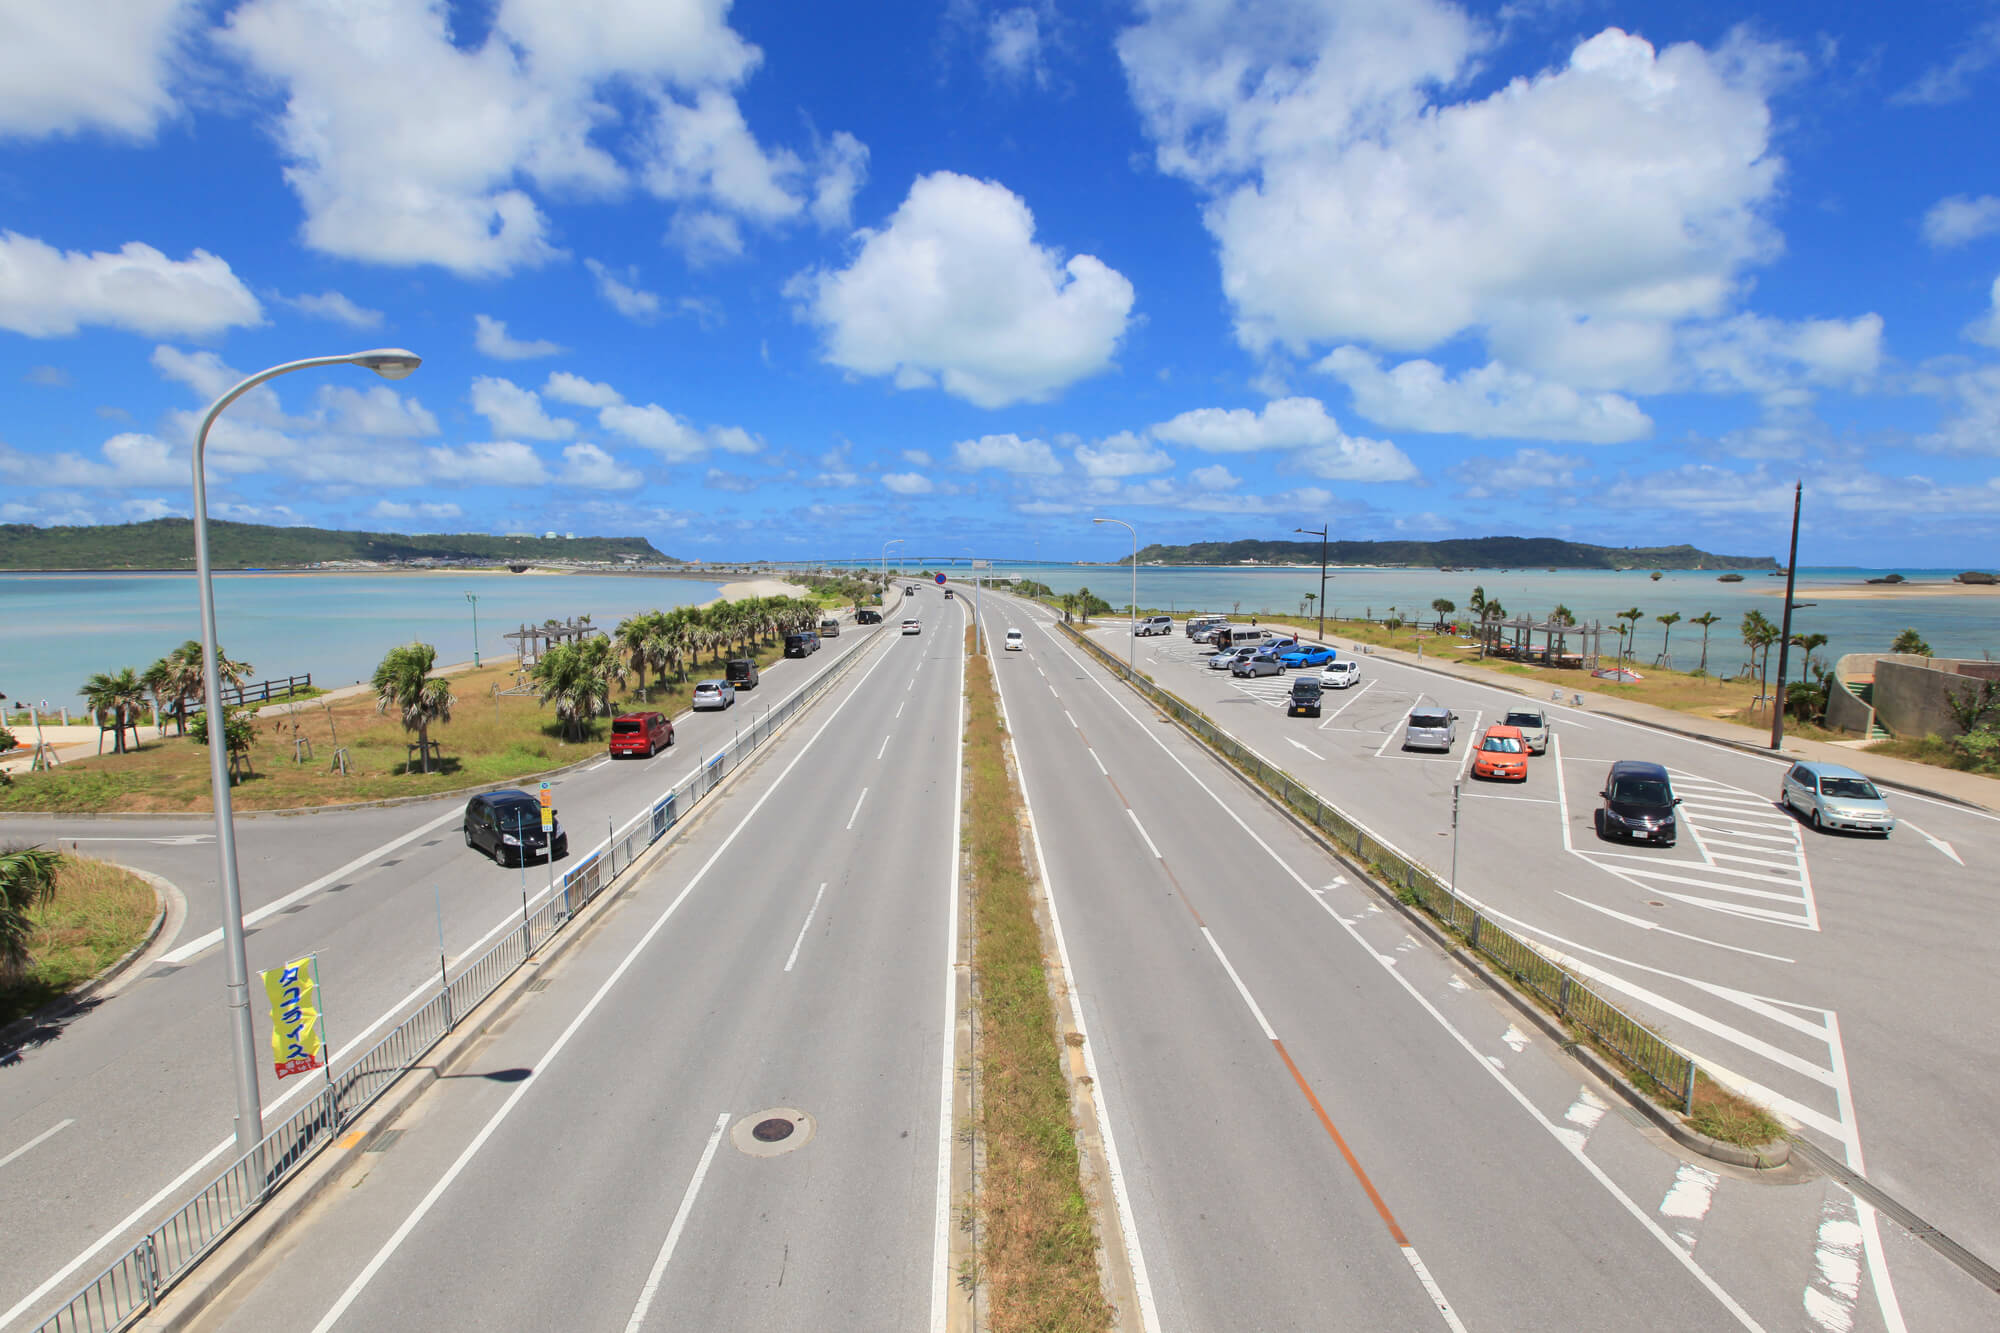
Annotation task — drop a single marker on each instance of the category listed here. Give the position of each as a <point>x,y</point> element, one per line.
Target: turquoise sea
<point>56,630</point>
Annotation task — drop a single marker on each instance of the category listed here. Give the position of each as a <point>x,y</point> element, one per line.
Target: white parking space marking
<point>807,926</point>
<point>1938,843</point>
<point>1344,707</point>
<point>659,1270</point>
<point>36,1141</point>
<point>1295,745</point>
<point>1471,742</point>
<point>1502,796</point>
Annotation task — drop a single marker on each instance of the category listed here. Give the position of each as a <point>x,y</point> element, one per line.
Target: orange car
<point>1502,753</point>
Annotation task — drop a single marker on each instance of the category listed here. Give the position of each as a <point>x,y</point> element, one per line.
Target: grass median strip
<point>97,913</point>
<point>1037,1251</point>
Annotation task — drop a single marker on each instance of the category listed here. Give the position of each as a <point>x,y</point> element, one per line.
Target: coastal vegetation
<point>168,543</point>
<point>1465,553</point>
<point>63,920</point>
<point>403,682</point>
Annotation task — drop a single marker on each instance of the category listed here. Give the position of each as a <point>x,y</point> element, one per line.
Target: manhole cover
<point>772,1133</point>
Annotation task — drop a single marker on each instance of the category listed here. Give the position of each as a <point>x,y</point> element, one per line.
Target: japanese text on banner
<point>297,1045</point>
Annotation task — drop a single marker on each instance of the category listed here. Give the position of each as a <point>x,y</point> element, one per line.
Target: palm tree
<point>120,695</point>
<point>27,880</point>
<point>563,681</point>
<point>1631,618</point>
<point>1705,619</point>
<point>1477,603</point>
<point>1444,606</point>
<point>403,681</point>
<point>631,636</point>
<point>1083,599</point>
<point>1910,642</point>
<point>1758,635</point>
<point>1669,620</point>
<point>1811,643</point>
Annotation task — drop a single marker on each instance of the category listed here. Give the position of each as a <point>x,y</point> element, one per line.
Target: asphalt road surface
<point>112,1116</point>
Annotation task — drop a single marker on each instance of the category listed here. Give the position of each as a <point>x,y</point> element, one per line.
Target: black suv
<point>1639,804</point>
<point>742,673</point>
<point>507,826</point>
<point>1305,697</point>
<point>867,617</point>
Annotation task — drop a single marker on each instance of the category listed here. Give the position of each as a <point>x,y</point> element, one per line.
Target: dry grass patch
<point>1037,1242</point>
<point>1721,1114</point>
<point>98,914</point>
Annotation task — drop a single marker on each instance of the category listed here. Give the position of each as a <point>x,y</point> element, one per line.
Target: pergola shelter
<point>1514,640</point>
<point>531,641</point>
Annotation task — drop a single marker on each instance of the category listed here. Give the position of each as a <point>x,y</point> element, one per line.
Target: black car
<point>801,645</point>
<point>1305,697</point>
<point>1638,804</point>
<point>507,826</point>
<point>867,617</point>
<point>742,673</point>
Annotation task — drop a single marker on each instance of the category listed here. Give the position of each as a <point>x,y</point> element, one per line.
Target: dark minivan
<point>1639,804</point>
<point>801,645</point>
<point>1305,697</point>
<point>507,826</point>
<point>742,673</point>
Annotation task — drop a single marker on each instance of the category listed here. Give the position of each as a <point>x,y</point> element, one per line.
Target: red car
<point>1502,753</point>
<point>643,734</point>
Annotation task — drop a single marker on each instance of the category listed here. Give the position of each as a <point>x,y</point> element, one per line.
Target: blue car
<point>1307,655</point>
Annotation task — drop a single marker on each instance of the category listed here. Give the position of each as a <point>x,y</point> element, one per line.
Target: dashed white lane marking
<point>857,808</point>
<point>803,928</point>
<point>1687,1202</point>
<point>885,748</point>
<point>40,1138</point>
<point>1142,831</point>
<point>1835,1286</point>
<point>1581,1120</point>
<point>1099,762</point>
<point>899,710</point>
<point>1072,721</point>
<point>659,1271</point>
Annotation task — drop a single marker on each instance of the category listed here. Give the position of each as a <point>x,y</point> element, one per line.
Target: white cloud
<point>917,456</point>
<point>1959,218</point>
<point>494,463</point>
<point>1122,455</point>
<point>1492,400</point>
<point>1973,425</point>
<point>48,377</point>
<point>334,306</point>
<point>146,510</point>
<point>734,440</point>
<point>1009,453</point>
<point>1952,81</point>
<point>575,389</point>
<point>1299,425</point>
<point>1769,355</point>
<point>48,293</point>
<point>516,412</point>
<point>955,290</point>
<point>490,336</point>
<point>843,167</point>
<point>590,468</point>
<point>128,460</point>
<point>627,299</point>
<point>1215,477</point>
<point>1014,46</point>
<point>908,483</point>
<point>1526,470</point>
<point>1986,329</point>
<point>400,510</point>
<point>1348,203</point>
<point>67,69</point>
<point>653,426</point>
<point>376,411</point>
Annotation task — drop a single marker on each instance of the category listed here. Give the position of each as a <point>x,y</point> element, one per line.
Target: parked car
<point>713,694</point>
<point>742,673</point>
<point>1638,804</point>
<point>1014,641</point>
<point>829,628</point>
<point>1338,675</point>
<point>507,826</point>
<point>1430,728</point>
<point>1197,625</point>
<point>1153,625</point>
<point>641,733</point>
<point>1261,662</point>
<point>1502,753</point>
<point>1832,797</point>
<point>913,626</point>
<point>1305,697</point>
<point>1306,655</point>
<point>1533,724</point>
<point>1225,659</point>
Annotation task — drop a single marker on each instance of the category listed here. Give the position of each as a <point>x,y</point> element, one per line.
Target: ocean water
<point>1955,626</point>
<point>56,630</point>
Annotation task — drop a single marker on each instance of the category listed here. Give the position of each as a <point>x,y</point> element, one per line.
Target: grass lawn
<point>489,739</point>
<point>99,912</point>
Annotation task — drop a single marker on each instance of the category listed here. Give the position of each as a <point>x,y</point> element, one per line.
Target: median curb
<point>167,919</point>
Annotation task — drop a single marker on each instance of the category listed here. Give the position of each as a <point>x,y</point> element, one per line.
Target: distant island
<point>1464,553</point>
<point>168,543</point>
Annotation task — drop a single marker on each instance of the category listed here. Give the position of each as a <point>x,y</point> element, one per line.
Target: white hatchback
<point>1013,641</point>
<point>1339,674</point>
<point>913,626</point>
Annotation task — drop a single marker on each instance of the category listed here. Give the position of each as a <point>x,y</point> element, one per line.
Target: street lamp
<point>475,628</point>
<point>391,363</point>
<point>1321,534</point>
<point>1785,628</point>
<point>893,541</point>
<point>1132,645</point>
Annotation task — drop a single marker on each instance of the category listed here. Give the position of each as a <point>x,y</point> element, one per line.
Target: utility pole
<point>1321,534</point>
<point>1785,629</point>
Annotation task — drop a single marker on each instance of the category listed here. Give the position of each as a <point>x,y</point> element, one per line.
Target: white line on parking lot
<point>1502,796</point>
<point>805,927</point>
<point>1294,744</point>
<point>42,1137</point>
<point>899,709</point>
<point>1471,742</point>
<point>1941,845</point>
<point>1344,707</point>
<point>1644,924</point>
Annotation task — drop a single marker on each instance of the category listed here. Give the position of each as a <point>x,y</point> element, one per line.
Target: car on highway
<point>865,617</point>
<point>1306,655</point>
<point>803,644</point>
<point>1014,641</point>
<point>1304,698</point>
<point>913,626</point>
<point>742,673</point>
<point>1430,728</point>
<point>644,734</point>
<point>1226,659</point>
<point>1502,754</point>
<point>829,628</point>
<point>1263,662</point>
<point>507,826</point>
<point>1533,724</point>
<point>1154,625</point>
<point>1638,804</point>
<point>713,694</point>
<point>1338,675</point>
<point>947,594</point>
<point>1831,797</point>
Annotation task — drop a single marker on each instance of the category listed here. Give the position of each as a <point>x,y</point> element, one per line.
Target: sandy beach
<point>1886,591</point>
<point>736,592</point>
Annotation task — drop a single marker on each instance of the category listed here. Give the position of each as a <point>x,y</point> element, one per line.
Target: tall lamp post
<point>391,363</point>
<point>1321,534</point>
<point>475,627</point>
<point>1785,629</point>
<point>1132,643</point>
<point>893,541</point>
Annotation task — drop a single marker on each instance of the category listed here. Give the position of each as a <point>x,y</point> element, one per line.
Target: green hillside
<point>1467,553</point>
<point>168,543</point>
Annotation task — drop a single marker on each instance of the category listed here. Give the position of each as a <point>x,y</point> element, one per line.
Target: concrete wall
<point>1910,692</point>
<point>1845,710</point>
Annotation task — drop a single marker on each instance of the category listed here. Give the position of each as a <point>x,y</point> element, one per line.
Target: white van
<point>1240,636</point>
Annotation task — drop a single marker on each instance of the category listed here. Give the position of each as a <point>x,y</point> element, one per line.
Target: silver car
<point>1533,724</point>
<point>710,694</point>
<point>1262,662</point>
<point>1228,657</point>
<point>1832,797</point>
<point>1430,728</point>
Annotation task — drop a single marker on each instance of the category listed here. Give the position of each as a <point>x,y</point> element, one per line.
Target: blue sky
<point>774,280</point>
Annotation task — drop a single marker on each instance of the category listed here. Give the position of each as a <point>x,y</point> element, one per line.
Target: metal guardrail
<point>134,1283</point>
<point>1572,999</point>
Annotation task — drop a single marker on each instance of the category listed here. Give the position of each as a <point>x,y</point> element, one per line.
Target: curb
<point>172,906</point>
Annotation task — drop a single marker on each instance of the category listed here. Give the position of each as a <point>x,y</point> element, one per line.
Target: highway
<point>1235,985</point>
<point>115,1114</point>
<point>592,1163</point>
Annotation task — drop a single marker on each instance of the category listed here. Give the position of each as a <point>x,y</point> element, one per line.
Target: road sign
<point>940,579</point>
<point>982,564</point>
<point>548,808</point>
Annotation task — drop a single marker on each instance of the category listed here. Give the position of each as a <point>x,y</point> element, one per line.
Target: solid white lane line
<point>857,808</point>
<point>885,748</point>
<point>1344,707</point>
<point>948,1071</point>
<point>42,1137</point>
<point>1562,790</point>
<point>805,927</point>
<point>214,937</point>
<point>599,764</point>
<point>1099,762</point>
<point>542,1066</point>
<point>1241,989</point>
<point>1294,744</point>
<point>1142,832</point>
<point>652,1286</point>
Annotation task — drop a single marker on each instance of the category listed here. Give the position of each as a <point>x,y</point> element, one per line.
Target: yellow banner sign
<point>297,1045</point>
